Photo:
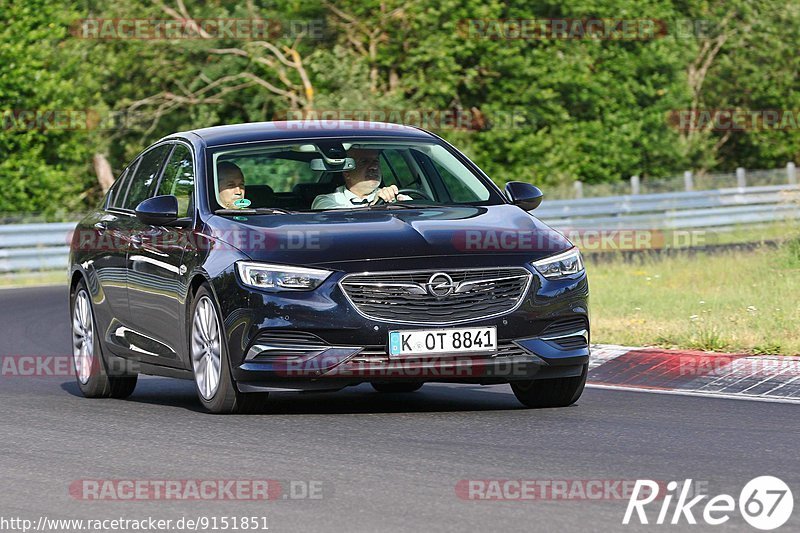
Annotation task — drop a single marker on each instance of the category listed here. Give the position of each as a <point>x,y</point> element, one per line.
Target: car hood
<point>353,236</point>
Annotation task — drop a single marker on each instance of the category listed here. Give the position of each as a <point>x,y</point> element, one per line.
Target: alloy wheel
<point>206,348</point>
<point>83,336</point>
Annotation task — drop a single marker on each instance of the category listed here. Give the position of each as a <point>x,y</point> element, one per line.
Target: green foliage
<point>549,111</point>
<point>42,169</point>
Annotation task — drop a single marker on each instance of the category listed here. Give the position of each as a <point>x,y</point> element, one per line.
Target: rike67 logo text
<point>765,503</point>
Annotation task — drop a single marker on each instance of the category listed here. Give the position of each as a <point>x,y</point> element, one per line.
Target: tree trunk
<point>102,168</point>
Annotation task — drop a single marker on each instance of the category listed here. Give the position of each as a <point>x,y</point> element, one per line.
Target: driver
<point>361,186</point>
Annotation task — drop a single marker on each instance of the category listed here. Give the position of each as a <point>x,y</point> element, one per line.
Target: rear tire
<point>557,392</point>
<point>214,381</point>
<point>89,363</point>
<point>395,387</point>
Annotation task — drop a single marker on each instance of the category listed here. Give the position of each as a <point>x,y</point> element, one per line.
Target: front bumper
<point>336,346</point>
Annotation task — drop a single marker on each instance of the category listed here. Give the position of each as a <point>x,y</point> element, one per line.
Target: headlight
<point>280,277</point>
<point>560,266</point>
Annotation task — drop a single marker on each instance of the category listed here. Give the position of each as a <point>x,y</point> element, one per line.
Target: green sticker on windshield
<point>241,203</point>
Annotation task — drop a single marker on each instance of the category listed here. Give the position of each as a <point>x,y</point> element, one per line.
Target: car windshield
<point>330,174</point>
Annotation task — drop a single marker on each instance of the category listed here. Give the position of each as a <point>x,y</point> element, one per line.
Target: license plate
<point>442,341</point>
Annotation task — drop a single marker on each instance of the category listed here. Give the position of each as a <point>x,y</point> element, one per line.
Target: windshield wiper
<point>256,211</point>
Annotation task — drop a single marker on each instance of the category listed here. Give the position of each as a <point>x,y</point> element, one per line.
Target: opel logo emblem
<point>440,285</point>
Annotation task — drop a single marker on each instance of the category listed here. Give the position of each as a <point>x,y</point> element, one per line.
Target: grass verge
<point>729,301</point>
<point>31,279</point>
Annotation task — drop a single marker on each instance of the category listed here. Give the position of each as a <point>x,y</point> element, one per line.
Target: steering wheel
<point>421,195</point>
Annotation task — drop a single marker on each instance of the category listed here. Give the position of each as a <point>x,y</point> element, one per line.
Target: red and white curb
<point>695,373</point>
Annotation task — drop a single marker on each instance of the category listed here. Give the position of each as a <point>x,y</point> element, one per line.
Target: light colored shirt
<point>341,199</point>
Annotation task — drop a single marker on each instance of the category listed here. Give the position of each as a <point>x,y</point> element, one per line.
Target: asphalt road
<point>385,462</point>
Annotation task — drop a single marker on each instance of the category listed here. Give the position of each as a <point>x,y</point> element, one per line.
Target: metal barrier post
<point>688,182</point>
<point>741,180</point>
<point>635,185</point>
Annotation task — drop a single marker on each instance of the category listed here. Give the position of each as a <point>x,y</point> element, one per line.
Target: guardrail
<point>677,210</point>
<point>687,182</point>
<point>31,247</point>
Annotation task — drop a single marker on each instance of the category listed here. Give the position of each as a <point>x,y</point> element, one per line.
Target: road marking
<point>696,393</point>
<point>500,389</point>
<point>781,385</point>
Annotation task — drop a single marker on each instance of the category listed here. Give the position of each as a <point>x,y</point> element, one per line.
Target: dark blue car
<point>293,256</point>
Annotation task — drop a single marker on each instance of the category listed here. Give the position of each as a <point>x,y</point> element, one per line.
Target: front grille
<point>406,297</point>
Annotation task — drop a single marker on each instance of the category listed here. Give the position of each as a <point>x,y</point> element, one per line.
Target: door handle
<point>102,226</point>
<point>136,240</point>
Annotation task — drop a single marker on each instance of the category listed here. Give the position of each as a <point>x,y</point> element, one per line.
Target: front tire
<point>557,392</point>
<point>210,363</point>
<point>87,353</point>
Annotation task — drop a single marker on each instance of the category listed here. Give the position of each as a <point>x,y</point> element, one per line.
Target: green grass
<point>30,279</point>
<point>775,231</point>
<point>731,301</point>
<point>695,238</point>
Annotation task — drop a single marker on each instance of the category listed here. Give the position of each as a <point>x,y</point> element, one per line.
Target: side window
<point>178,178</point>
<point>114,195</point>
<point>395,169</point>
<point>144,180</point>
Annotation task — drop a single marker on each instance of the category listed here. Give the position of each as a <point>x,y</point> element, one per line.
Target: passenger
<point>231,184</point>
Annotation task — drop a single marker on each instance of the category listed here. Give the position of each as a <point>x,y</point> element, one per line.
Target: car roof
<point>302,129</point>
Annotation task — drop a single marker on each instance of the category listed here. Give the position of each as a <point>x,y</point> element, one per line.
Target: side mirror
<point>525,195</point>
<point>158,210</point>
